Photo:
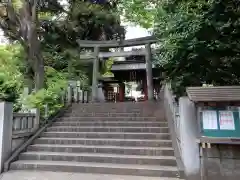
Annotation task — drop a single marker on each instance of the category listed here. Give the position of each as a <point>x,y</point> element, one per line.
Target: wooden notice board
<point>220,122</point>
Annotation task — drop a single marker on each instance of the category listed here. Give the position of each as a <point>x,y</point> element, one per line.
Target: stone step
<point>111,123</point>
<point>114,114</point>
<point>109,114</point>
<point>114,107</point>
<point>114,135</point>
<point>47,175</point>
<point>112,142</point>
<point>110,119</point>
<point>107,129</point>
<point>99,158</point>
<point>126,150</point>
<point>101,168</point>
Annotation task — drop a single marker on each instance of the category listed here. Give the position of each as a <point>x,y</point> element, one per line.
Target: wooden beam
<point>115,43</point>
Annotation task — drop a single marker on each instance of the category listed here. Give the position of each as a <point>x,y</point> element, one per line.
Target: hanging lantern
<point>3,9</point>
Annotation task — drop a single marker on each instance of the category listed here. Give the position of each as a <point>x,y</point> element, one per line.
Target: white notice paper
<point>115,89</point>
<point>209,120</point>
<point>226,120</point>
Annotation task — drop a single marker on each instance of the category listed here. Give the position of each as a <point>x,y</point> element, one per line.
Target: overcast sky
<point>135,32</point>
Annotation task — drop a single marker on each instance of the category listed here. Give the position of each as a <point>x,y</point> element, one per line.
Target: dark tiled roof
<point>214,94</point>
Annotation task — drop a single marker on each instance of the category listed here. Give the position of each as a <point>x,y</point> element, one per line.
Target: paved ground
<point>42,175</point>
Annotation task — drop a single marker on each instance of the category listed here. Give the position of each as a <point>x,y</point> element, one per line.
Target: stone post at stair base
<point>6,121</point>
<point>69,94</point>
<point>188,135</point>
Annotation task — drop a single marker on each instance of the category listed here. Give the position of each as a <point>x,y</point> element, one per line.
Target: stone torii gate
<point>97,55</point>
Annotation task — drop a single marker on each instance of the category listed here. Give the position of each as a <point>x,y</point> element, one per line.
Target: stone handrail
<point>172,113</point>
<point>23,124</point>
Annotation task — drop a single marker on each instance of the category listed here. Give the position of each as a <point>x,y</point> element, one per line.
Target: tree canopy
<point>198,40</point>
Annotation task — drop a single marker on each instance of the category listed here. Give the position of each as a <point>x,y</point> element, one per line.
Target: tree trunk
<point>39,74</point>
<point>29,24</point>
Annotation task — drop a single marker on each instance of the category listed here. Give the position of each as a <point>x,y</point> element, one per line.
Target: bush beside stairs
<point>105,138</point>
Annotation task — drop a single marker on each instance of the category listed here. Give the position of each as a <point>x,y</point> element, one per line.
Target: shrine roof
<point>214,94</point>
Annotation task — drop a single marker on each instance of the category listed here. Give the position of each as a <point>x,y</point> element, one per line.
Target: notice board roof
<point>214,94</point>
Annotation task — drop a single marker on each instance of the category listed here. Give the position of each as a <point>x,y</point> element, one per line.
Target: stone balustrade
<point>23,124</point>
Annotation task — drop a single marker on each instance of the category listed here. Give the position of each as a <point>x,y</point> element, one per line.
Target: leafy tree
<point>10,74</point>
<point>198,42</point>
<point>56,83</point>
<point>141,12</point>
<point>20,22</point>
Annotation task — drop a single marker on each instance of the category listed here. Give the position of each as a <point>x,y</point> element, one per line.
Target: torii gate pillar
<point>95,75</point>
<point>150,93</point>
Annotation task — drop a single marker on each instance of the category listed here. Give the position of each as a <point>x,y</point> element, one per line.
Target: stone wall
<point>221,162</point>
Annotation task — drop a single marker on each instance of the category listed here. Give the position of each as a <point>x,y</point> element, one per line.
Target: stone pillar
<point>95,75</point>
<point>149,72</point>
<point>75,94</point>
<point>101,97</point>
<point>188,136</point>
<point>6,123</point>
<point>69,94</point>
<point>26,92</point>
<point>37,119</point>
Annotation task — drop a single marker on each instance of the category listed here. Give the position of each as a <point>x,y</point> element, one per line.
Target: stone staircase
<point>108,138</point>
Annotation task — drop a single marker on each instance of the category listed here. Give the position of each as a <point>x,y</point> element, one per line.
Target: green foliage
<point>51,95</point>
<point>199,42</point>
<point>141,12</point>
<point>10,76</point>
<point>107,67</point>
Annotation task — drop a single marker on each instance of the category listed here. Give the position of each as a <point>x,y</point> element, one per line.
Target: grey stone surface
<point>121,135</point>
<point>6,122</point>
<point>76,148</point>
<point>42,175</point>
<point>222,162</point>
<point>108,129</point>
<point>109,123</point>
<point>113,142</point>
<point>188,135</point>
<point>100,158</point>
<point>17,142</point>
<point>106,139</point>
